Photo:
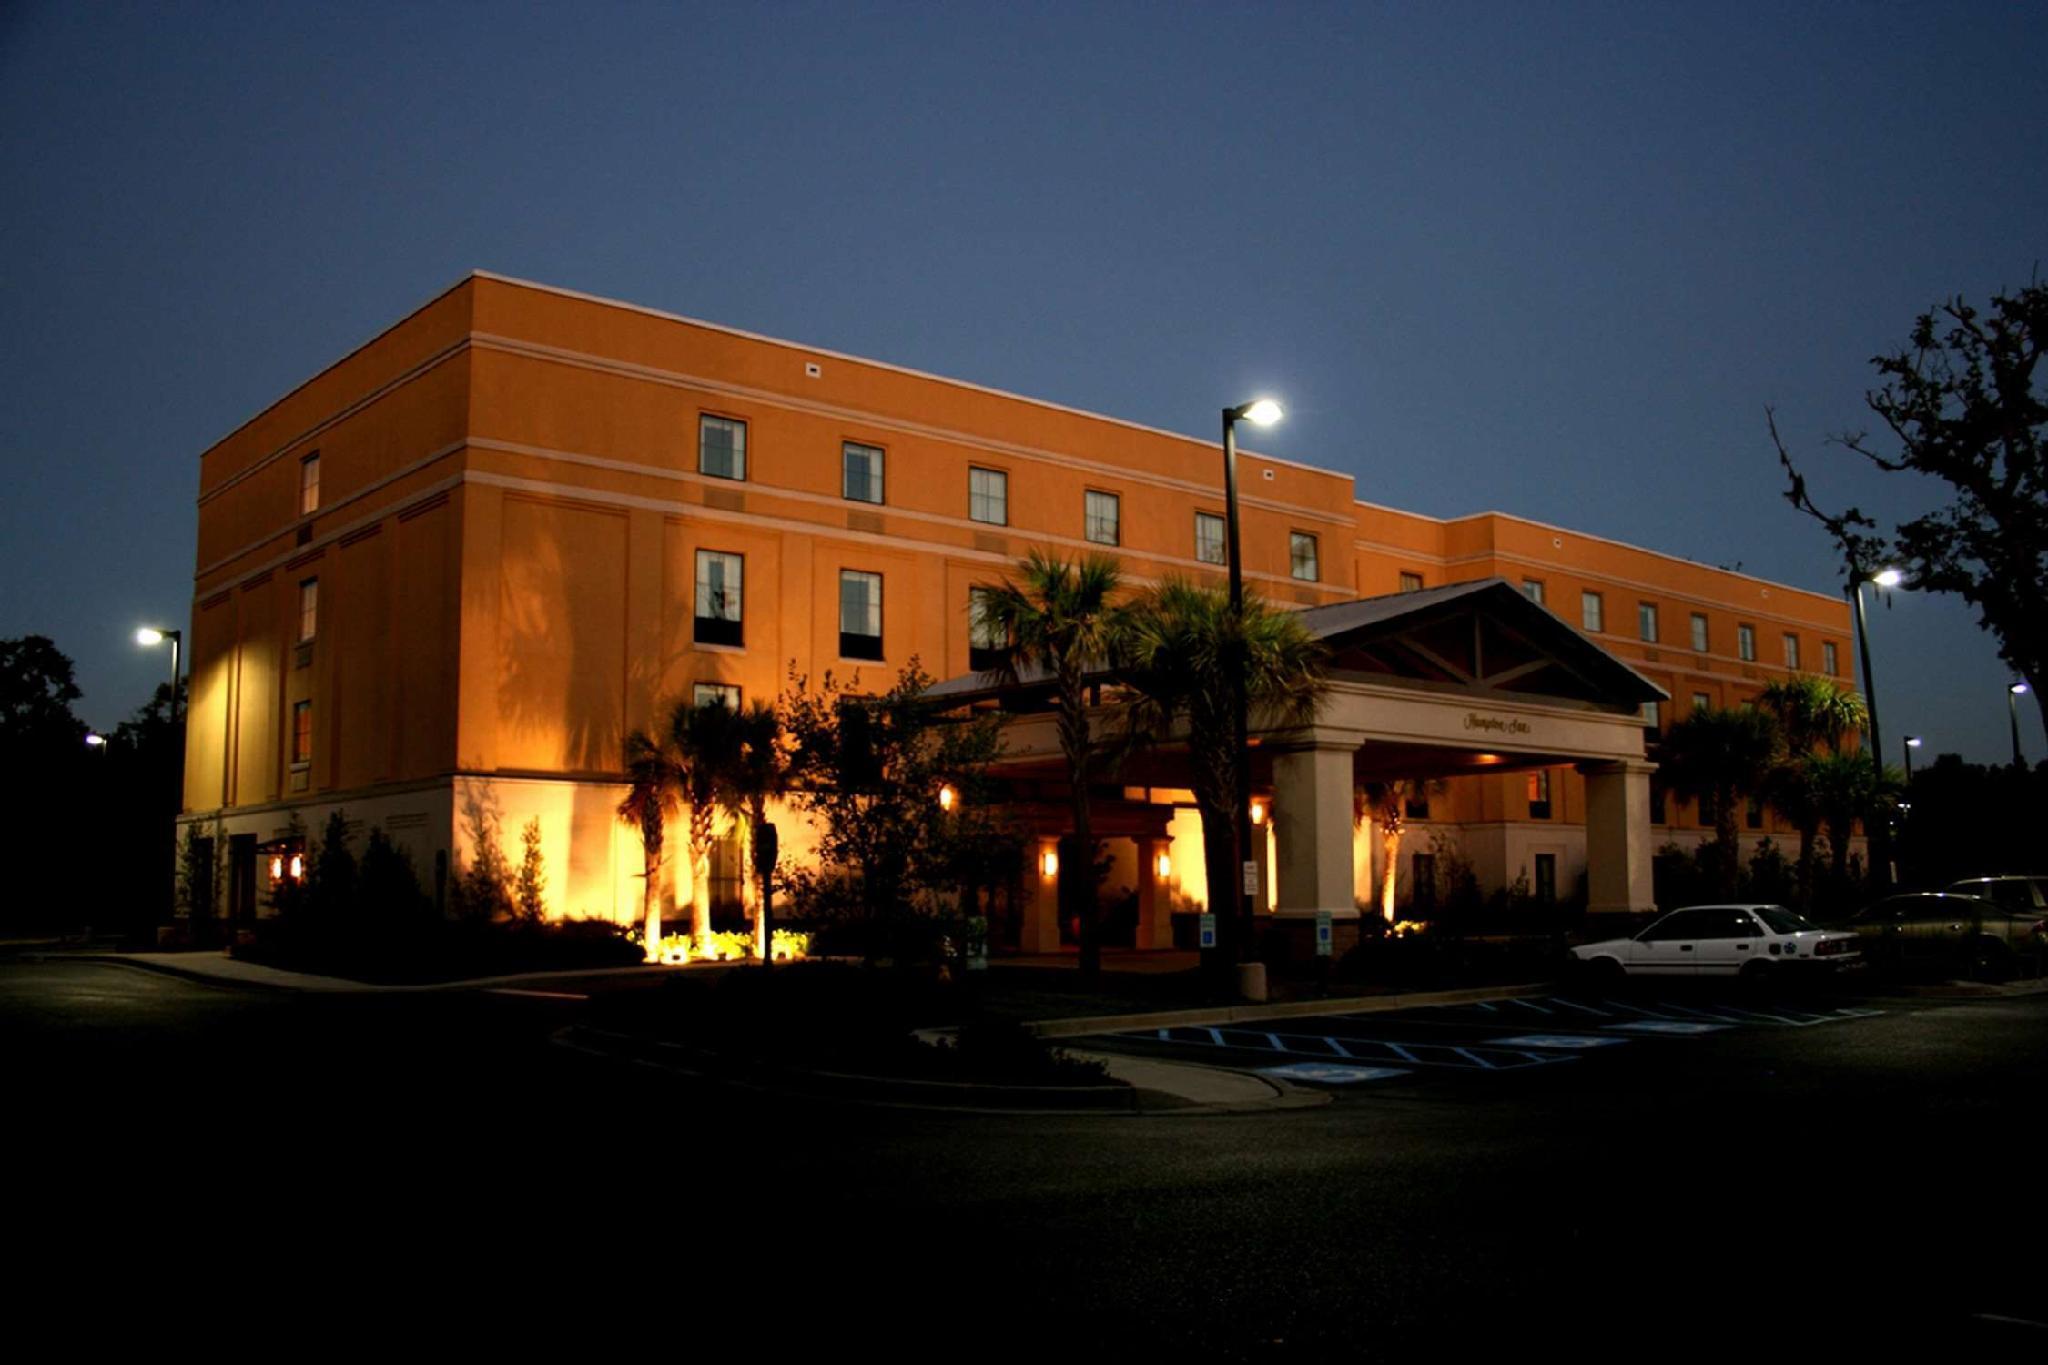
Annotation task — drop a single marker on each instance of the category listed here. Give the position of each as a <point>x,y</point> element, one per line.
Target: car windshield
<point>1783,921</point>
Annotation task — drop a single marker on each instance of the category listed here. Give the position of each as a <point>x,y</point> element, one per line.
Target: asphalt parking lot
<point>1479,1039</point>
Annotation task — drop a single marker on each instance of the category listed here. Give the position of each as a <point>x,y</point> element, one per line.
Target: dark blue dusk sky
<point>1549,259</point>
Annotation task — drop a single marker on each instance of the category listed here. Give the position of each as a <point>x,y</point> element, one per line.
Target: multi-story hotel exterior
<point>468,557</point>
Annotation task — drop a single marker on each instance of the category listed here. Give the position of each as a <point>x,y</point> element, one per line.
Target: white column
<point>1618,837</point>
<point>1312,825</point>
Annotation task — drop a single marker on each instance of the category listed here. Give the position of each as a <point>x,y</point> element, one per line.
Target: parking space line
<point>1585,1009</point>
<point>1527,1005</point>
<point>1478,1057</point>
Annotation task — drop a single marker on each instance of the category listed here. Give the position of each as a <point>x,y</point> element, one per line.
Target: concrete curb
<point>257,976</point>
<point>1288,1009</point>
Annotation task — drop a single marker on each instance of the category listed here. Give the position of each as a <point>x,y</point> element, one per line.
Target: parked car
<point>1936,926</point>
<point>2018,894</point>
<point>1750,941</point>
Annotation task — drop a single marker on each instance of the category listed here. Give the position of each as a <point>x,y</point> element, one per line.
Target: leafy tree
<point>869,770</point>
<point>1814,715</point>
<point>1181,641</point>
<point>36,692</point>
<point>483,886</point>
<point>653,793</point>
<point>388,888</point>
<point>533,877</point>
<point>1721,757</point>
<point>1960,403</point>
<point>332,871</point>
<point>1062,618</point>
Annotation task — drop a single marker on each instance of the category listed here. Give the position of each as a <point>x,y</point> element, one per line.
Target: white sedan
<point>1749,941</point>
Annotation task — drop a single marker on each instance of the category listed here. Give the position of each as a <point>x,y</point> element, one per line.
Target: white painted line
<point>1584,1009</point>
<point>1326,1073</point>
<point>1679,1028</point>
<point>536,995</point>
<point>1561,1040</point>
<point>1527,1006</point>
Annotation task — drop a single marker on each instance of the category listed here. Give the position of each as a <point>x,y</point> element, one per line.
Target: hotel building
<point>468,557</point>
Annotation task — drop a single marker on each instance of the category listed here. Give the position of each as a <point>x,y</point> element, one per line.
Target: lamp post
<point>151,636</point>
<point>1879,830</point>
<point>1262,412</point>
<point>2012,713</point>
<point>1912,742</point>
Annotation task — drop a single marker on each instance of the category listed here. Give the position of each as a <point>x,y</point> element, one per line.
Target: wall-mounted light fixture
<point>1049,863</point>
<point>947,796</point>
<point>1258,812</point>
<point>1165,866</point>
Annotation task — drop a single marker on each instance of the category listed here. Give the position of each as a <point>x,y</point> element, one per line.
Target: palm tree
<point>1813,715</point>
<point>1386,805</point>
<point>706,742</point>
<point>1721,757</point>
<point>1845,791</point>
<point>653,791</point>
<point>759,770</point>
<point>1181,644</point>
<point>1062,617</point>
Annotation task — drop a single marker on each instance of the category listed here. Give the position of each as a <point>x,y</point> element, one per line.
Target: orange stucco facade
<point>512,494</point>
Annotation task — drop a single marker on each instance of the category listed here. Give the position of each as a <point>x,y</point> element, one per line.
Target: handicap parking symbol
<point>1326,1073</point>
<point>1559,1040</point>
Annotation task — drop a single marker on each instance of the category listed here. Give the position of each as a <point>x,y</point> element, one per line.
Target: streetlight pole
<point>156,635</point>
<point>1262,412</point>
<point>1906,748</point>
<point>2012,713</point>
<point>1879,830</point>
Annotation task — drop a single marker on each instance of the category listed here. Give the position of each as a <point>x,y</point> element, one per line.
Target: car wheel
<point>1605,974</point>
<point>1755,973</point>
<point>1996,960</point>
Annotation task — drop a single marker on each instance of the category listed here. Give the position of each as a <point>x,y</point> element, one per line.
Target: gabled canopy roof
<point>1482,635</point>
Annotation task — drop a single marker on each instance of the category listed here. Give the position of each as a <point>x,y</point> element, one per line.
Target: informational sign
<point>1208,931</point>
<point>1251,878</point>
<point>1323,933</point>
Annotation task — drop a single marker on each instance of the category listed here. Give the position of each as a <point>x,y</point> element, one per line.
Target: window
<point>1745,643</point>
<point>1301,556</point>
<point>1411,582</point>
<point>1209,545</point>
<point>1592,611</point>
<point>1791,651</point>
<point>1646,621</point>
<point>309,610</point>
<point>1103,516</point>
<point>988,496</point>
<point>721,447</point>
<point>1539,794</point>
<point>720,578</point>
<point>1829,659</point>
<point>1546,879</point>
<point>862,471</point>
<point>1653,716</point>
<point>860,615</point>
<point>302,733</point>
<point>985,640</point>
<point>1532,588</point>
<point>722,694</point>
<point>1677,927</point>
<point>309,484</point>
<point>1699,631</point>
<point>1754,816</point>
<point>1701,701</point>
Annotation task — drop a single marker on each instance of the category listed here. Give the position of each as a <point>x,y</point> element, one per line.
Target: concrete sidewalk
<point>222,970</point>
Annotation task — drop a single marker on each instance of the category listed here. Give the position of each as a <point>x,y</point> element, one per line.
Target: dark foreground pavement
<point>247,1172</point>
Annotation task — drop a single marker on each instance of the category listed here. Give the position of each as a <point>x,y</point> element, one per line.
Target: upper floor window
<point>719,694</point>
<point>1102,522</point>
<point>1745,643</point>
<point>1646,621</point>
<point>1539,794</point>
<point>1653,716</point>
<point>309,484</point>
<point>862,466</point>
<point>302,732</point>
<point>1791,651</point>
<point>860,614</point>
<point>1411,582</point>
<point>1592,611</point>
<point>1209,543</point>
<point>1699,631</point>
<point>1301,557</point>
<point>721,447</point>
<point>1830,659</point>
<point>309,609</point>
<point>1701,701</point>
<point>720,579</point>
<point>1532,588</point>
<point>988,496</point>
<point>985,639</point>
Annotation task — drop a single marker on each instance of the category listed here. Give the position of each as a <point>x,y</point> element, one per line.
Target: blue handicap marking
<point>1557,1040</point>
<point>1680,1027</point>
<point>1325,1073</point>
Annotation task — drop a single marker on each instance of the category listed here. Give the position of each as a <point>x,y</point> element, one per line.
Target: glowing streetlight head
<point>2019,689</point>
<point>1912,741</point>
<point>1887,578</point>
<point>1263,412</point>
<point>149,635</point>
<point>95,740</point>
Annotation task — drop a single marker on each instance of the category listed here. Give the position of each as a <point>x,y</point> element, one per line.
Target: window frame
<point>1408,580</point>
<point>1649,626</point>
<point>1295,540</point>
<point>1791,650</point>
<point>846,637</point>
<point>719,692</point>
<point>1593,611</point>
<point>704,419</point>
<point>1222,537</point>
<point>711,629</point>
<point>1831,657</point>
<point>309,610</point>
<point>1537,789</point>
<point>1745,643</point>
<point>302,734</point>
<point>1540,594</point>
<point>878,477</point>
<point>1002,478</point>
<point>1089,519</point>
<point>1702,634</point>
<point>981,656</point>
<point>309,483</point>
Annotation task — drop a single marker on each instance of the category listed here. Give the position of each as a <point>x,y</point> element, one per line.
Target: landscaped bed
<point>440,950</point>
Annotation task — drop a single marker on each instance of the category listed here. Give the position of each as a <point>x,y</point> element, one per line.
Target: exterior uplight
<point>948,797</point>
